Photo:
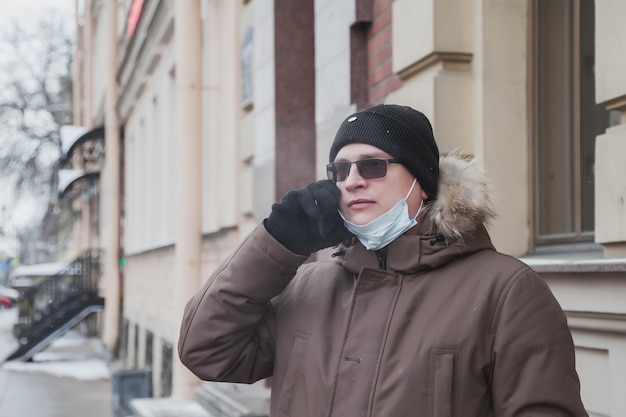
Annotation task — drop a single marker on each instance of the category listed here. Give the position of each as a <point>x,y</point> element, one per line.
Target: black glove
<point>307,220</point>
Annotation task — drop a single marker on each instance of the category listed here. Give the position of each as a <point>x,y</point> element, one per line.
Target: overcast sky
<point>22,9</point>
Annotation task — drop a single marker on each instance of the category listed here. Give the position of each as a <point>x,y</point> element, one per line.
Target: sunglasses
<point>369,168</point>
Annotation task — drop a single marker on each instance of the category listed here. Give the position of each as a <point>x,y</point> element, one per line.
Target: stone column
<point>110,181</point>
<point>188,45</point>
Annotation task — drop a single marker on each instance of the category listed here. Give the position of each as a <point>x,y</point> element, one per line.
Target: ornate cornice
<point>455,58</point>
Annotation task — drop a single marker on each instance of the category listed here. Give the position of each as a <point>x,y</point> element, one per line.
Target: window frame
<point>577,235</point>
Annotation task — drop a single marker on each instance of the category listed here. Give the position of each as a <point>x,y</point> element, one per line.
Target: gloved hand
<point>307,220</point>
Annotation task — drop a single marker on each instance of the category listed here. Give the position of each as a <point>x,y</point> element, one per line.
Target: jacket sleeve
<point>534,360</point>
<point>228,327</point>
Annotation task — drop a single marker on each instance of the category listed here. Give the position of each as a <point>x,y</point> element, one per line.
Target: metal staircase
<point>49,309</point>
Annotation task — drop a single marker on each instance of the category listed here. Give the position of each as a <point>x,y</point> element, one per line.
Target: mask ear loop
<point>411,190</point>
<point>419,210</point>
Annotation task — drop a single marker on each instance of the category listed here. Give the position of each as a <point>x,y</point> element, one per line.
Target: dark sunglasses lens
<point>338,171</point>
<point>372,168</point>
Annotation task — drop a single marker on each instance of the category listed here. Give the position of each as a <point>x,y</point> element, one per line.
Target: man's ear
<point>424,196</point>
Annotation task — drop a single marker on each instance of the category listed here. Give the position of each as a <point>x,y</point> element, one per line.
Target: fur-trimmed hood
<point>463,201</point>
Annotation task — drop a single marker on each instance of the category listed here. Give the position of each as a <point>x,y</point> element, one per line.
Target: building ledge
<point>582,257</point>
<point>597,322</point>
<point>556,264</point>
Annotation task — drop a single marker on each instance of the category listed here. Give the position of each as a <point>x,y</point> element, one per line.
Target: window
<point>566,119</point>
<point>149,346</point>
<point>166,369</point>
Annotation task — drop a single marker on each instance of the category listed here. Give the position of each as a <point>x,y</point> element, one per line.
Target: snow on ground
<point>7,341</point>
<point>73,355</point>
<point>84,370</point>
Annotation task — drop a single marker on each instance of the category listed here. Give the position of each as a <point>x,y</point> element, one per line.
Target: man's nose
<point>354,178</point>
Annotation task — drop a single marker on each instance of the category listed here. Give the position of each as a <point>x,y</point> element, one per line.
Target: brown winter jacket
<point>447,327</point>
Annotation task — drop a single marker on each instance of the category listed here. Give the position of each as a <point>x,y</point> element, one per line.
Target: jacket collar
<point>409,254</point>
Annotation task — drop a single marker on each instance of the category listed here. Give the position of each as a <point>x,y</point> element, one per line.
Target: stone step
<point>167,407</point>
<point>235,400</point>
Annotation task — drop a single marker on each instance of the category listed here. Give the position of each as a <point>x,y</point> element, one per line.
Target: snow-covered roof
<point>38,270</point>
<point>69,135</point>
<point>67,176</point>
<point>72,136</point>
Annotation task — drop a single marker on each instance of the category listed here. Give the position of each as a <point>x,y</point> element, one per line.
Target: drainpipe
<point>110,219</point>
<point>87,110</point>
<point>187,258</point>
<point>77,85</point>
<point>88,50</point>
<point>78,116</point>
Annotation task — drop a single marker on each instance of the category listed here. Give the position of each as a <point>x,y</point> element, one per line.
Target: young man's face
<point>363,200</point>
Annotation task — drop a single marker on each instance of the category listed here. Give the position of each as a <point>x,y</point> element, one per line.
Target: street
<point>67,379</point>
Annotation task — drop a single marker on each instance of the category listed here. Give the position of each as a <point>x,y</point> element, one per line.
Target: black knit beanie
<point>402,132</point>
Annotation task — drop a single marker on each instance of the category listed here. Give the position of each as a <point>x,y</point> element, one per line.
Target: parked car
<point>5,302</point>
<point>9,293</point>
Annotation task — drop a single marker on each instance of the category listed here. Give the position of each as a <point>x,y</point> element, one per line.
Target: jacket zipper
<point>381,255</point>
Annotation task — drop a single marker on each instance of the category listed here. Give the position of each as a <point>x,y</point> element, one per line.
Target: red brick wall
<point>381,79</point>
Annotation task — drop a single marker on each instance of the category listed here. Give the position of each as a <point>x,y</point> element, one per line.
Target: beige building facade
<point>213,109</point>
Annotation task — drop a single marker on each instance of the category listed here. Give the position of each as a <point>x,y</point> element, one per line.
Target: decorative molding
<point>434,58</point>
<point>618,103</point>
<point>597,322</point>
<point>140,54</point>
<point>581,266</point>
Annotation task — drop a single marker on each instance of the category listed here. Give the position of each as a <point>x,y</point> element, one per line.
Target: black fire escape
<point>51,308</point>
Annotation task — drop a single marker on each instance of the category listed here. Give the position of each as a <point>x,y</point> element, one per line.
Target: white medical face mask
<point>385,228</point>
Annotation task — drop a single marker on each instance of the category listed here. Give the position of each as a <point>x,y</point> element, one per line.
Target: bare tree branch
<point>35,101</point>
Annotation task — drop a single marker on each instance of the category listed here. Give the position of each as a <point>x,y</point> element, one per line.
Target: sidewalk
<point>68,379</point>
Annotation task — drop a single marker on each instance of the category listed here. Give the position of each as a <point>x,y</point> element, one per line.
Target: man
<point>417,315</point>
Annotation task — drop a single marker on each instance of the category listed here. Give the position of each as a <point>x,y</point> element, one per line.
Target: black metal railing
<point>53,304</point>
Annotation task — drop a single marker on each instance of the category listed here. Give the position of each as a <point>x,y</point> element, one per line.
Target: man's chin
<point>360,219</point>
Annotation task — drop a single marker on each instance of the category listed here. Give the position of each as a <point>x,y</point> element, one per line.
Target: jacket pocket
<point>443,382</point>
<point>291,404</point>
